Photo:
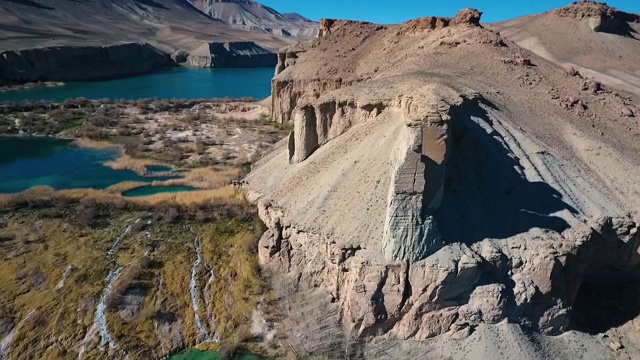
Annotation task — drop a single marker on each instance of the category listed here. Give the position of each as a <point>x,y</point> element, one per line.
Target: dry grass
<point>207,178</point>
<point>41,247</point>
<point>119,188</point>
<point>126,162</point>
<point>226,194</point>
<point>95,144</point>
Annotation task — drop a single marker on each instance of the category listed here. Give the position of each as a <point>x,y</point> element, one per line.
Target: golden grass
<point>228,194</point>
<point>119,188</point>
<point>47,245</point>
<point>126,162</point>
<point>95,144</point>
<point>206,178</point>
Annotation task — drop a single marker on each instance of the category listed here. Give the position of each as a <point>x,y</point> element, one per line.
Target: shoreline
<point>31,86</point>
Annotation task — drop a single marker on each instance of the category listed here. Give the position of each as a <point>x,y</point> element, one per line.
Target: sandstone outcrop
<point>231,54</point>
<point>423,193</point>
<point>80,63</point>
<point>599,16</point>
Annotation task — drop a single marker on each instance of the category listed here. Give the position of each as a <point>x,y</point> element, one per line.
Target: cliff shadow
<point>607,294</point>
<point>485,192</point>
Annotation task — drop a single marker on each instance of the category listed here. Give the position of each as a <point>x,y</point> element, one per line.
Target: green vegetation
<point>47,238</point>
<point>65,254</point>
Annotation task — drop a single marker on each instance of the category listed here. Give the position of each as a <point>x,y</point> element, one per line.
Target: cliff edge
<point>439,178</point>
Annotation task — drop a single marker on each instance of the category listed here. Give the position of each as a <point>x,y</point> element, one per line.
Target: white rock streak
<point>114,247</point>
<point>100,325</point>
<point>5,345</point>
<point>60,285</point>
<point>207,296</point>
<point>204,335</point>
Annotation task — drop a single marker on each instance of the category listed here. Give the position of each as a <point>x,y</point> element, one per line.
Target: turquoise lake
<point>178,83</point>
<point>194,354</point>
<point>33,161</point>
<point>152,190</point>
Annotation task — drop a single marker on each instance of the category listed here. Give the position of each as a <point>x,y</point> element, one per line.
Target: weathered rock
<point>411,202</point>
<point>232,54</point>
<point>467,16</point>
<point>325,27</point>
<point>72,63</point>
<point>592,86</point>
<point>627,112</point>
<point>599,16</point>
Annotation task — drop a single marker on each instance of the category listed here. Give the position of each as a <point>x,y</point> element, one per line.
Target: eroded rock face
<point>599,16</point>
<point>231,54</point>
<point>80,63</point>
<point>467,16</point>
<point>413,200</point>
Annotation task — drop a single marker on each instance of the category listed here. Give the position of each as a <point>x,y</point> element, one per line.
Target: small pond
<point>152,190</point>
<point>26,162</point>
<point>194,354</point>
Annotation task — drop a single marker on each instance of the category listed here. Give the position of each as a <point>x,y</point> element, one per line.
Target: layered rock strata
<point>599,16</point>
<point>71,63</point>
<point>430,186</point>
<point>231,54</point>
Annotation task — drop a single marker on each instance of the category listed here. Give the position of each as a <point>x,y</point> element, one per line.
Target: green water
<point>32,161</point>
<point>152,190</point>
<point>194,354</point>
<point>179,83</point>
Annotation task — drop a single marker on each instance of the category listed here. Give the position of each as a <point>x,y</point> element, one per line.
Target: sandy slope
<point>167,24</point>
<point>609,55</point>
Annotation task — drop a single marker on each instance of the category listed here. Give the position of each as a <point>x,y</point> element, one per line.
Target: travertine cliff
<point>73,63</point>
<point>231,54</point>
<point>439,177</point>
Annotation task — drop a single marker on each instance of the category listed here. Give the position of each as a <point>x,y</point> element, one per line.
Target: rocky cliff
<point>231,54</point>
<point>599,16</point>
<point>439,177</point>
<point>75,63</point>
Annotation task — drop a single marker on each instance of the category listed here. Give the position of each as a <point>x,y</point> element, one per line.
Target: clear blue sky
<point>387,12</point>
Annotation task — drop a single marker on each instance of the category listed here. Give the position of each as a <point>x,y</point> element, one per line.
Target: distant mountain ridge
<point>251,15</point>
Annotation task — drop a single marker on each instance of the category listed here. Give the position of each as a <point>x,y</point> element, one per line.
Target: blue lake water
<point>152,190</point>
<point>178,83</point>
<point>194,354</point>
<point>33,161</point>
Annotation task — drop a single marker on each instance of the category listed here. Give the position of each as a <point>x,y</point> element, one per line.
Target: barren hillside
<point>441,179</point>
<point>250,15</point>
<point>169,25</point>
<point>595,39</point>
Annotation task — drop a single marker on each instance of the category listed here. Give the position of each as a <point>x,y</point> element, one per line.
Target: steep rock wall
<point>79,63</point>
<point>231,54</point>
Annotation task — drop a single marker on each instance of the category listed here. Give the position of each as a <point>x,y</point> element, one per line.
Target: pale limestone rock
<point>487,302</point>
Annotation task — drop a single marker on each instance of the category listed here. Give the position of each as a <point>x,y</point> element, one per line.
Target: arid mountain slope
<point>169,25</point>
<point>250,15</point>
<point>595,39</point>
<point>439,178</point>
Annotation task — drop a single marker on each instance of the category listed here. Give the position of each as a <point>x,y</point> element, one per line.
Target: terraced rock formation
<point>440,178</point>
